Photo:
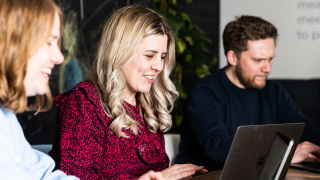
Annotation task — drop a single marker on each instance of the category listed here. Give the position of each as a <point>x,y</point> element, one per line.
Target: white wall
<point>298,24</point>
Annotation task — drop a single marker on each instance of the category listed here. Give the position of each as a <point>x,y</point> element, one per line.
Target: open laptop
<point>313,166</point>
<point>262,152</point>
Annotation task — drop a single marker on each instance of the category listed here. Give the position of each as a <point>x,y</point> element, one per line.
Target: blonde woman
<point>111,126</point>
<point>29,39</point>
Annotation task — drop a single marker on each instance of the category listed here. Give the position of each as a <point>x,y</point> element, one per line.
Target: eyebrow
<point>272,57</point>
<point>54,36</point>
<point>154,51</point>
<point>265,58</point>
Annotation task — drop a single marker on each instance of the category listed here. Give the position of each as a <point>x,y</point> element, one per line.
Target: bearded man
<point>237,95</point>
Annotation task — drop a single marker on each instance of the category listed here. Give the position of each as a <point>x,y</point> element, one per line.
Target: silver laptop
<point>262,152</point>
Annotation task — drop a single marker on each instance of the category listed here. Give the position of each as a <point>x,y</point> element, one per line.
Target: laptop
<point>313,166</point>
<point>262,152</point>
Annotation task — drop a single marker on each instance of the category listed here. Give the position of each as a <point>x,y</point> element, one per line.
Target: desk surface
<point>293,174</point>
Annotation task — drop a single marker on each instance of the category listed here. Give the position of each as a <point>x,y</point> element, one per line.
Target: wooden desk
<point>297,174</point>
<point>293,174</point>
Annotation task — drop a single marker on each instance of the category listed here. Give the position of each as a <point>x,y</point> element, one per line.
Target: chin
<point>259,85</point>
<point>41,91</point>
<point>145,90</point>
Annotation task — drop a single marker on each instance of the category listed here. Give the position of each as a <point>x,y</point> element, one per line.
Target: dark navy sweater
<point>216,107</point>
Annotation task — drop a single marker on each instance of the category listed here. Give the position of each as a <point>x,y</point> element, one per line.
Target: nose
<point>157,64</point>
<point>267,66</point>
<point>57,57</point>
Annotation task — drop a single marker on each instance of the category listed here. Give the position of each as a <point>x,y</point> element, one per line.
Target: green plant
<point>192,50</point>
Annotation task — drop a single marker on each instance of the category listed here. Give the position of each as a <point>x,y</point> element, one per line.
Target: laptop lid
<point>262,151</point>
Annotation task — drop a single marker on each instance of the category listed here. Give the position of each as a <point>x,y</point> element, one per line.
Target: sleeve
<point>24,162</point>
<point>160,145</point>
<point>288,112</point>
<point>76,147</point>
<point>205,116</point>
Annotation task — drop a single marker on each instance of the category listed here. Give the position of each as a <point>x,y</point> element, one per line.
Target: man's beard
<point>247,82</point>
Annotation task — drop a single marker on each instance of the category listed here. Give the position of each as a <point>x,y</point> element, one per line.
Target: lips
<point>262,77</point>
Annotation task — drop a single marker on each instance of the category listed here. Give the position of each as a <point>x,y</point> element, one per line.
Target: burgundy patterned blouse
<point>84,145</point>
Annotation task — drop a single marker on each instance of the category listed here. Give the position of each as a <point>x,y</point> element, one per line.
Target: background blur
<point>196,29</point>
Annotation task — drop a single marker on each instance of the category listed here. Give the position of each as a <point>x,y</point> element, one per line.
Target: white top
<point>17,159</point>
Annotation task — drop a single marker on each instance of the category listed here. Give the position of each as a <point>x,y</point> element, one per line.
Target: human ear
<point>232,58</point>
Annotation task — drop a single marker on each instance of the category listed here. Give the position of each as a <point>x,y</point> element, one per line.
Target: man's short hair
<point>244,28</point>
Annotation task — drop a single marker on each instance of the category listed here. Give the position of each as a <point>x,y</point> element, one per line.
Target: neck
<point>231,74</point>
<point>130,98</point>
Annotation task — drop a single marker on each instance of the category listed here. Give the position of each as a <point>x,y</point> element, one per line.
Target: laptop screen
<point>276,158</point>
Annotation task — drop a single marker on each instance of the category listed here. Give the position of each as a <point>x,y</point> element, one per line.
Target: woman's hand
<point>182,171</point>
<point>151,175</point>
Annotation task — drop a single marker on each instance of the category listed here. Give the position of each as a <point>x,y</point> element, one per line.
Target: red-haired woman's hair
<point>25,26</point>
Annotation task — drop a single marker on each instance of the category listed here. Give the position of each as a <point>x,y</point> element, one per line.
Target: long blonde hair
<point>120,39</point>
<point>25,26</point>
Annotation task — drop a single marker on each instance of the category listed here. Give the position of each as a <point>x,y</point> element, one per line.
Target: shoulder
<point>5,113</point>
<point>82,104</point>
<point>212,84</point>
<point>85,91</point>
<point>7,119</point>
<point>214,78</point>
